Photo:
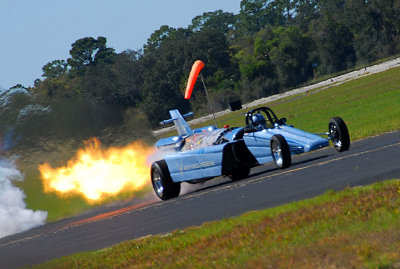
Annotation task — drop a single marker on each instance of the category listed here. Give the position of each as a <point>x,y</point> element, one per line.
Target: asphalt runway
<point>367,161</point>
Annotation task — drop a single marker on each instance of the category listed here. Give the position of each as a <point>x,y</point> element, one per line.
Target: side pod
<point>235,156</point>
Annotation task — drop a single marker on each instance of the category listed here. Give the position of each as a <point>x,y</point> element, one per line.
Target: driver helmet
<point>258,120</point>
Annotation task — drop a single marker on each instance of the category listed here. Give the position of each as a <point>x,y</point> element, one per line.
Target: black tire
<point>280,152</point>
<point>162,182</point>
<point>240,173</point>
<point>339,134</point>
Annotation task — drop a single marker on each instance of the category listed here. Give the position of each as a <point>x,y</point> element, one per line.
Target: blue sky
<point>35,32</point>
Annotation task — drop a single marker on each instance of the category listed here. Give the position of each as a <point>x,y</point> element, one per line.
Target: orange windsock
<point>194,73</point>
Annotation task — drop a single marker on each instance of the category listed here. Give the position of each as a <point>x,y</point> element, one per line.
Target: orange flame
<point>97,173</point>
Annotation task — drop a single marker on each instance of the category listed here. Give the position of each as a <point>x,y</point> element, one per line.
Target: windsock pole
<point>194,73</point>
<point>208,100</point>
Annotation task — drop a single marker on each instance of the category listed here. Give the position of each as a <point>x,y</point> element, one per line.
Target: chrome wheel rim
<point>157,183</point>
<point>334,135</point>
<point>277,154</point>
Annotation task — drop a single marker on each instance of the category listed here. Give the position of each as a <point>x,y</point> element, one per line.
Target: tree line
<point>268,47</point>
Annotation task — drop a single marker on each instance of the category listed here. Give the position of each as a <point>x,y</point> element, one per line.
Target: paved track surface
<point>371,160</point>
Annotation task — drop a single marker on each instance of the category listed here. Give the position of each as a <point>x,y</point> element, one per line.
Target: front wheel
<point>339,134</point>
<point>162,182</point>
<point>280,152</point>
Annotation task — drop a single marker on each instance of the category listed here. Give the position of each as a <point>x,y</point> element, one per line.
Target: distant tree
<point>251,16</point>
<point>288,9</point>
<point>334,45</point>
<point>100,85</point>
<point>162,74</point>
<point>217,20</point>
<point>210,46</point>
<point>306,12</point>
<point>128,71</point>
<point>220,71</point>
<point>376,27</point>
<point>257,14</point>
<point>269,46</point>
<point>250,65</point>
<point>276,53</point>
<point>254,56</point>
<point>289,53</point>
<point>59,86</point>
<point>18,86</point>
<point>54,69</point>
<point>155,40</point>
<point>333,8</point>
<point>37,83</point>
<point>89,51</point>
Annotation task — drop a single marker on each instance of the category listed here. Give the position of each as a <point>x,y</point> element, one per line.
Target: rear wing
<point>181,125</point>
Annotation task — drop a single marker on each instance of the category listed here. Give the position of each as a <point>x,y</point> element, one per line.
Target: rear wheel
<point>280,152</point>
<point>339,134</point>
<point>162,182</point>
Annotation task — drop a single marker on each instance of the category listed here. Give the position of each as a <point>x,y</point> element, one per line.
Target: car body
<point>201,154</point>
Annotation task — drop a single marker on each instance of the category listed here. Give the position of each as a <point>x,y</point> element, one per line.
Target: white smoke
<point>14,216</point>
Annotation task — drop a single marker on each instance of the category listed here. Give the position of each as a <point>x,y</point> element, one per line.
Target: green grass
<point>369,106</point>
<point>354,228</point>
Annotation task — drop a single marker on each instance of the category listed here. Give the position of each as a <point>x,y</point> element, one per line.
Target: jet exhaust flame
<point>98,173</point>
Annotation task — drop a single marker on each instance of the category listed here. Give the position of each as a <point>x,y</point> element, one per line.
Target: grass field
<point>354,228</point>
<point>369,105</point>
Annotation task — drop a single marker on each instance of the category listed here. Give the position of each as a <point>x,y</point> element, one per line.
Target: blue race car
<point>194,156</point>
